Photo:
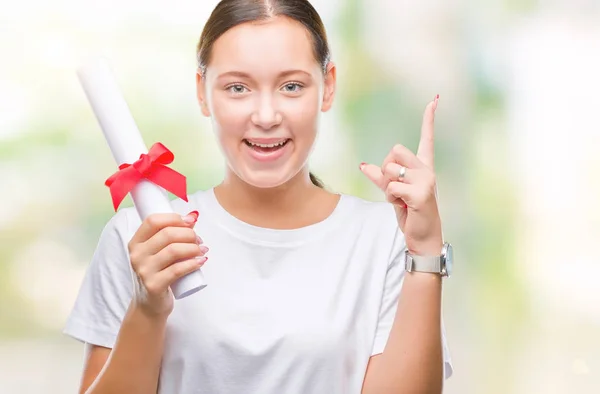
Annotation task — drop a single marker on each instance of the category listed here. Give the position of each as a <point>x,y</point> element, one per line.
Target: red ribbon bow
<point>150,166</point>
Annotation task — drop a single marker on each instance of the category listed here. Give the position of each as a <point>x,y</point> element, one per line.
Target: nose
<point>266,116</point>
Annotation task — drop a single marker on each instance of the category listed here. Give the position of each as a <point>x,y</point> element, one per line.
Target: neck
<point>262,206</point>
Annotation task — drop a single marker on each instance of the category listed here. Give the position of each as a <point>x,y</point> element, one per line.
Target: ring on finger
<point>401,172</point>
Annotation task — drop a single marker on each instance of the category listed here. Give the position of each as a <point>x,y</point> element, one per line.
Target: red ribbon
<point>150,166</point>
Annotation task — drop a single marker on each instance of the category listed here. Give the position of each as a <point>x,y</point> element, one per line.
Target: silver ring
<point>402,172</point>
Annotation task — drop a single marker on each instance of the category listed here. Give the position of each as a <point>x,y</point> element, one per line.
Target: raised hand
<point>409,183</point>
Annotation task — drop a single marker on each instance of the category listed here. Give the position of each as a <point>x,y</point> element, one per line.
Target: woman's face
<point>264,91</point>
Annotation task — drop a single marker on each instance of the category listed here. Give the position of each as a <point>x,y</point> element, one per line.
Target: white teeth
<point>268,145</point>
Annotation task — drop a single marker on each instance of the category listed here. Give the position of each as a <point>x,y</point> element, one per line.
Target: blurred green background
<point>517,138</point>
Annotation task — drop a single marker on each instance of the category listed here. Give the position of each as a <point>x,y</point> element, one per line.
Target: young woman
<point>309,291</point>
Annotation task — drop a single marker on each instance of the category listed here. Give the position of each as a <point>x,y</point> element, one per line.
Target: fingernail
<point>203,249</point>
<point>199,240</point>
<point>437,97</point>
<point>201,259</point>
<point>191,217</point>
<point>362,165</point>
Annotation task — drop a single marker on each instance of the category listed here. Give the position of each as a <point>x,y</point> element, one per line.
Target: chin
<point>266,179</point>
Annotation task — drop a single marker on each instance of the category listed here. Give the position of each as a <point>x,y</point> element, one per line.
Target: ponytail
<point>316,181</point>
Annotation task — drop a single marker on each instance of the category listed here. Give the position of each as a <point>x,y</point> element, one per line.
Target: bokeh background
<point>518,135</point>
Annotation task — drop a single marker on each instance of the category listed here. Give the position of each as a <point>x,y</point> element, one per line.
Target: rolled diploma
<point>126,144</point>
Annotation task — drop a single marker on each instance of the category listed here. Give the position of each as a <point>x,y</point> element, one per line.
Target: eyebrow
<point>241,74</point>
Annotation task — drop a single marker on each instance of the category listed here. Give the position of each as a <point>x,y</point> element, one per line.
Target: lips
<point>267,150</point>
<point>266,146</point>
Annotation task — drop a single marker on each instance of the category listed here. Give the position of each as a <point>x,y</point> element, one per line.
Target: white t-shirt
<point>285,311</point>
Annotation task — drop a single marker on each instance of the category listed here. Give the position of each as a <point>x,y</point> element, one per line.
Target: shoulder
<point>377,220</point>
<point>380,212</point>
<point>126,221</point>
<point>119,224</point>
<point>379,226</point>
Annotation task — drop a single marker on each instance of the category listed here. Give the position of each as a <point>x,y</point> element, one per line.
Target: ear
<point>201,93</point>
<point>329,89</point>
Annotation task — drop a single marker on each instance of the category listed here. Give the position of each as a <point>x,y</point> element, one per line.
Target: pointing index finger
<point>425,152</point>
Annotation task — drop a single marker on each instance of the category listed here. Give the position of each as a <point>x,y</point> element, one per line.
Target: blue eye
<point>292,87</point>
<point>237,88</point>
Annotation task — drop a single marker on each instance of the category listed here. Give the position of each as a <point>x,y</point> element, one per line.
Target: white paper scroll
<point>126,145</point>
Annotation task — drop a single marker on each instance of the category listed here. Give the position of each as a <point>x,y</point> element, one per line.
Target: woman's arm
<point>162,250</point>
<point>412,361</point>
<point>133,365</point>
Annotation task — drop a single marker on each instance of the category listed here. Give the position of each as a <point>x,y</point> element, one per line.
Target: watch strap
<point>431,264</point>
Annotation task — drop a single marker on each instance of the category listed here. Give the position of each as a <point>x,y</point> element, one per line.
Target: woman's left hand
<point>408,181</point>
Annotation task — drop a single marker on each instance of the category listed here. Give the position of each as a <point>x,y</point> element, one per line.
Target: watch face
<point>449,260</point>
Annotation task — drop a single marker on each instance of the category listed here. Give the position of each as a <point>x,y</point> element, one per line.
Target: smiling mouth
<point>266,148</point>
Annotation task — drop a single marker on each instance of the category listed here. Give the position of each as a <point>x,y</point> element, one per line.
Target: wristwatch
<point>434,264</point>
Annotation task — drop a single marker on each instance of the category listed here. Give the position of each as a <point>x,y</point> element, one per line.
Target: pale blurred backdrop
<point>518,136</point>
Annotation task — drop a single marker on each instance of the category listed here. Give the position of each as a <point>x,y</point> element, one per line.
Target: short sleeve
<point>106,290</point>
<point>389,303</point>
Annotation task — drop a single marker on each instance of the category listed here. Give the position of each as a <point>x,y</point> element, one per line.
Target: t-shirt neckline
<point>271,236</point>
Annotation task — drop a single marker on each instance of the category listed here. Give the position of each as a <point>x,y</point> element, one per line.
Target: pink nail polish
<point>191,217</point>
<point>362,165</point>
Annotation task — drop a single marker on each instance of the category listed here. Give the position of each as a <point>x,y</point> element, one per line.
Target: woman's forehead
<point>273,45</point>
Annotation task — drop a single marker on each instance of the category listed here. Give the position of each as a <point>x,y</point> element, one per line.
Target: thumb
<point>401,213</point>
<point>374,173</point>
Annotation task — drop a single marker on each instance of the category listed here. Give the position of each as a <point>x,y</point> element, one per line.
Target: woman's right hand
<point>163,249</point>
